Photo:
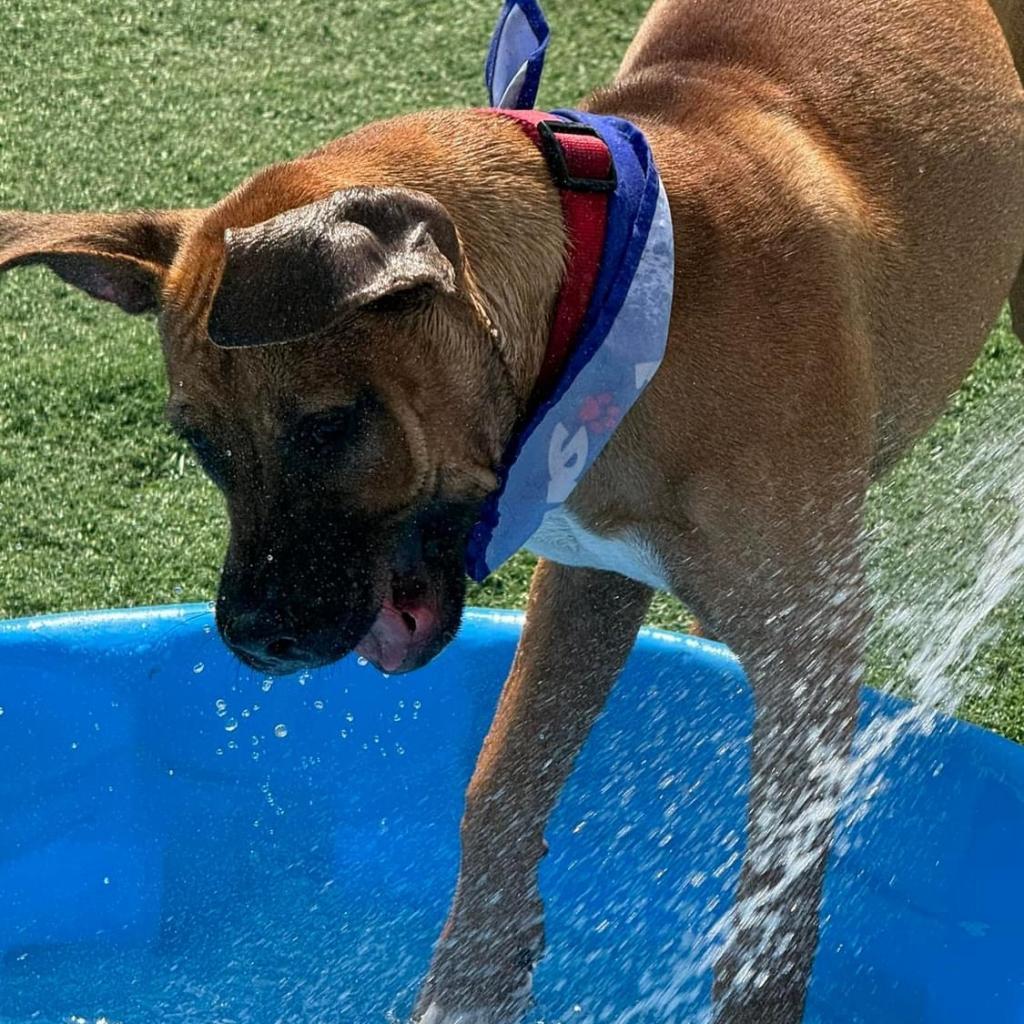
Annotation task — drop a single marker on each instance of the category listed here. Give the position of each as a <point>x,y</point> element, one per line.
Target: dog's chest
<point>564,539</point>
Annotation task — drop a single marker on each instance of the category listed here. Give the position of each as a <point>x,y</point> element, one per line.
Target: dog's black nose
<point>282,648</point>
<point>263,642</point>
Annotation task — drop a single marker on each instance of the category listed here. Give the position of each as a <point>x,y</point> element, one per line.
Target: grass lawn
<point>120,104</point>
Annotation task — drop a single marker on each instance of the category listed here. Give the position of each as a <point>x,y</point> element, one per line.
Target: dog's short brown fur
<point>847,187</point>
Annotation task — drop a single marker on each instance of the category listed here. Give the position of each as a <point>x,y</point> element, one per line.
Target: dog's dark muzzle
<point>296,610</point>
<point>300,601</point>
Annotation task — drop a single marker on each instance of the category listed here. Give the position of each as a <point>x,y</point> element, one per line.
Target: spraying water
<point>945,557</point>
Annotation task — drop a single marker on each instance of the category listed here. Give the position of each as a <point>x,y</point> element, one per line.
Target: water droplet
<point>207,630</point>
<point>246,712</point>
<point>74,745</point>
<point>255,741</point>
<point>179,589</point>
<point>106,880</point>
<point>267,684</point>
<point>220,752</point>
<point>304,678</point>
<point>280,731</point>
<point>349,717</point>
<point>1,712</point>
<point>255,755</point>
<point>230,725</point>
<point>221,706</point>
<point>170,771</point>
<point>232,745</point>
<point>399,749</point>
<point>386,675</point>
<point>198,667</point>
<point>344,734</point>
<point>270,558</point>
<point>361,661</point>
<point>318,704</point>
<point>417,704</point>
<point>396,717</point>
<point>227,452</point>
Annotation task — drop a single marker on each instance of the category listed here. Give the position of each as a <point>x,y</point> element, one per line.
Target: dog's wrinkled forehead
<point>261,387</point>
<point>284,426</point>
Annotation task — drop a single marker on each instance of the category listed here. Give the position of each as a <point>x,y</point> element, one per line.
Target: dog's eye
<point>328,431</point>
<point>404,301</point>
<point>323,435</point>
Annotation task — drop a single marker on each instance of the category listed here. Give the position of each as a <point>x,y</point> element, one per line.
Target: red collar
<point>582,168</point>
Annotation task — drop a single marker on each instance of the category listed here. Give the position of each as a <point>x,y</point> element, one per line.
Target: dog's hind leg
<point>780,581</point>
<point>1011,18</point>
<point>1010,14</point>
<point>580,627</point>
<point>1017,303</point>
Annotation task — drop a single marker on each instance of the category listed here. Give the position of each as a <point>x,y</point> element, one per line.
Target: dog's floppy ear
<point>293,275</point>
<point>117,257</point>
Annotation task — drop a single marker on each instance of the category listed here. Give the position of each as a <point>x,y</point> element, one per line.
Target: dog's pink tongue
<point>394,636</point>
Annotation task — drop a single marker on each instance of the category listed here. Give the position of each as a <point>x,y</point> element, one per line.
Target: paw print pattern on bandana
<point>599,413</point>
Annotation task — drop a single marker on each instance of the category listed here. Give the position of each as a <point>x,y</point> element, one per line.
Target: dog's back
<point>913,110</point>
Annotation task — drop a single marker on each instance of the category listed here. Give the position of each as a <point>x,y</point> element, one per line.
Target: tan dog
<point>847,187</point>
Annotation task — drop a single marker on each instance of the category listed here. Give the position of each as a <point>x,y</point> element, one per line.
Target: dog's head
<point>331,366</point>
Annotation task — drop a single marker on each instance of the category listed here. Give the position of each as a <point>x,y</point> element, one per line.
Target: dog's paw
<point>482,968</point>
<point>501,999</point>
<point>512,1011</point>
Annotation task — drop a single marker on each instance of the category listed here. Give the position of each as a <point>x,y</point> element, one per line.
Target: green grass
<point>121,104</point>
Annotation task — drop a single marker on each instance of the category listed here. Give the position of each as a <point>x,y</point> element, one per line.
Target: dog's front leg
<point>580,627</point>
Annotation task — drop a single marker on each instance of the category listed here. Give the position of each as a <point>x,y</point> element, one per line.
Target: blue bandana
<point>621,342</point>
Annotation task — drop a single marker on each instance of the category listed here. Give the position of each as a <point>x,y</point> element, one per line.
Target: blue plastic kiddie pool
<point>183,840</point>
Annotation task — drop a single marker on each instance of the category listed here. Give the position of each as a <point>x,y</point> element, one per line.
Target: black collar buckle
<point>556,159</point>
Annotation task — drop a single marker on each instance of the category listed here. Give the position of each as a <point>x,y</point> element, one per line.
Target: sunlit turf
<point>120,103</point>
